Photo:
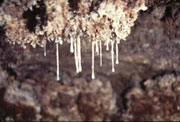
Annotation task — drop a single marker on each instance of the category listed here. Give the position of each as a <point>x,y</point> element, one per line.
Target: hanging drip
<point>100,53</point>
<point>112,55</point>
<point>71,46</point>
<point>75,57</point>
<point>117,53</point>
<point>57,60</point>
<point>79,54</point>
<point>97,47</point>
<point>107,45</point>
<point>93,75</point>
<point>60,40</point>
<point>45,53</point>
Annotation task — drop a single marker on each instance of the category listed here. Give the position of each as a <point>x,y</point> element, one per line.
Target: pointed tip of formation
<point>80,69</point>
<point>113,70</point>
<point>57,60</point>
<point>117,62</point>
<point>57,78</point>
<point>93,76</point>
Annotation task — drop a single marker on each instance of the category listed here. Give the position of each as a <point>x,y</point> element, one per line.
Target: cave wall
<point>145,85</point>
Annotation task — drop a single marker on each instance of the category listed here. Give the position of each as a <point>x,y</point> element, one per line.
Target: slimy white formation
<point>57,60</point>
<point>117,53</point>
<point>75,47</point>
<point>45,50</point>
<point>112,55</point>
<point>93,74</point>
<point>100,53</point>
<point>108,23</point>
<point>100,22</point>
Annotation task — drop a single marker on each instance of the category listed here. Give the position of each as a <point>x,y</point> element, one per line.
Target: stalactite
<point>117,53</point>
<point>75,56</point>
<point>71,46</point>
<point>107,45</point>
<point>100,53</point>
<point>109,19</point>
<point>79,54</point>
<point>93,74</point>
<point>57,60</point>
<point>97,47</point>
<point>112,54</point>
<point>45,50</point>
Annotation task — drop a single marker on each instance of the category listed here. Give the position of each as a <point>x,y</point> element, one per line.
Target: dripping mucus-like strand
<point>112,55</point>
<point>76,57</point>
<point>117,53</point>
<point>100,53</point>
<point>97,47</point>
<point>93,74</point>
<point>71,46</point>
<point>45,50</point>
<point>79,54</point>
<point>57,60</point>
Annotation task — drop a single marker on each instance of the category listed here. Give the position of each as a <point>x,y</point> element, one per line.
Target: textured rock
<point>158,101</point>
<point>145,85</point>
<point>37,21</point>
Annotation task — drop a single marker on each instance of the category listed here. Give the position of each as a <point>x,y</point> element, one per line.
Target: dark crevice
<point>131,3</point>
<point>1,1</point>
<point>2,105</point>
<point>2,32</point>
<point>11,71</point>
<point>162,2</point>
<point>31,16</point>
<point>95,4</point>
<point>122,106</point>
<point>168,12</point>
<point>123,96</point>
<point>73,4</point>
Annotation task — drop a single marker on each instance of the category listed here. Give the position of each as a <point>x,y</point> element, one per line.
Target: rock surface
<point>145,85</point>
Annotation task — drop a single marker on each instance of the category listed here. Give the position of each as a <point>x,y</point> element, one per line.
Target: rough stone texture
<point>159,100</point>
<point>145,85</point>
<point>37,21</point>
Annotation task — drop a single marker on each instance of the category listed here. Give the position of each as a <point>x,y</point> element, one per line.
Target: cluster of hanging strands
<point>75,47</point>
<point>114,20</point>
<point>97,46</point>
<point>109,22</point>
